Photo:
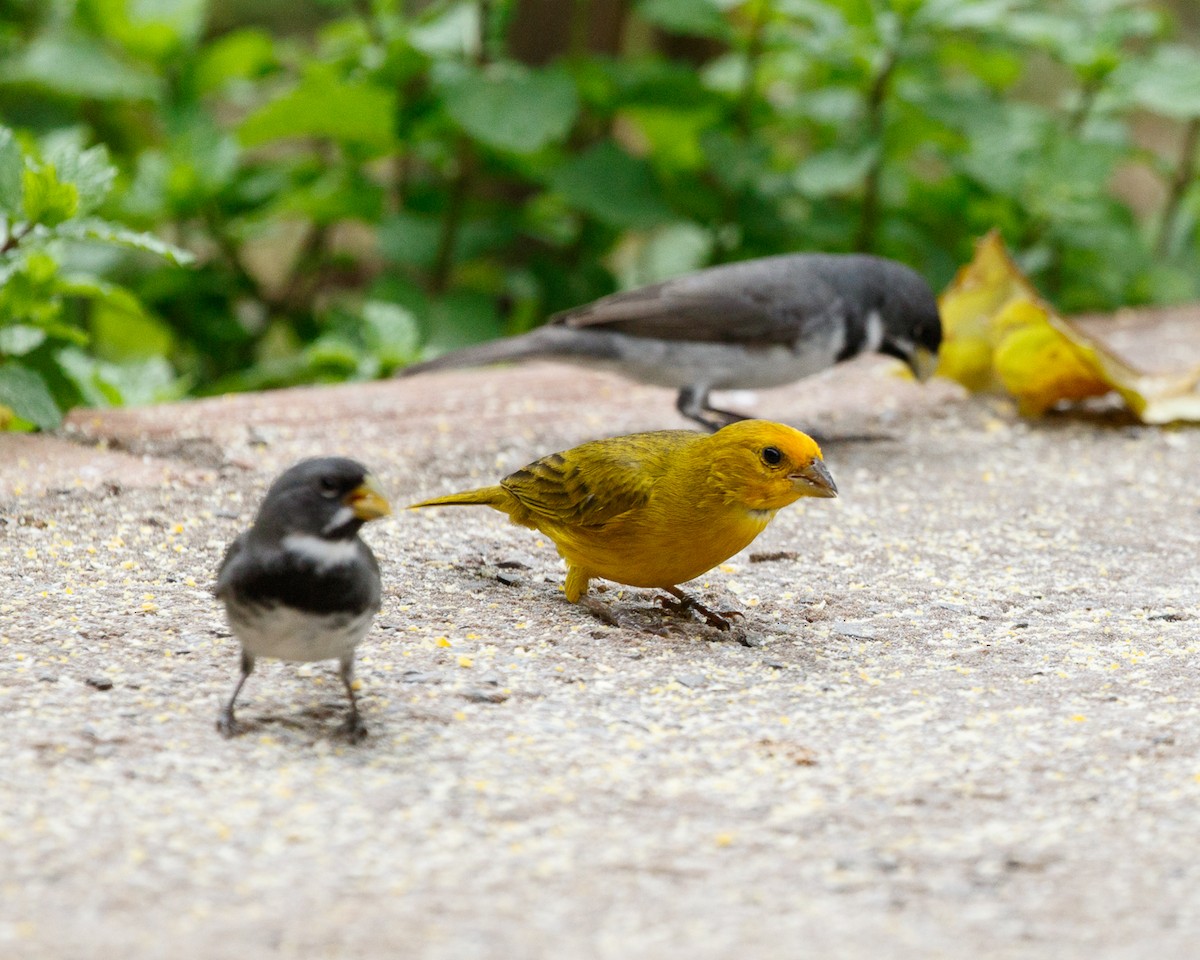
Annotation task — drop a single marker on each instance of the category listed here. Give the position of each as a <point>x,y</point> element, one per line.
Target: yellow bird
<point>658,509</point>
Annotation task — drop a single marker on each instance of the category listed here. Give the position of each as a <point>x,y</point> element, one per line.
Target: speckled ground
<point>966,726</point>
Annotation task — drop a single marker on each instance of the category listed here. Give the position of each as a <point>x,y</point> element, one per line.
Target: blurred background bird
<point>658,509</point>
<point>301,584</point>
<point>748,325</point>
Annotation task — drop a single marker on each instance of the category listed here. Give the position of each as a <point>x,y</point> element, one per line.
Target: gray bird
<point>300,584</point>
<point>754,324</point>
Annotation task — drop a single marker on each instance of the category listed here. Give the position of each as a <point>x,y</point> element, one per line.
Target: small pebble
<point>485,695</point>
<point>858,630</point>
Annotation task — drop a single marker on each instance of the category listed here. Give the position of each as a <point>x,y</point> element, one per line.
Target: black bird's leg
<point>683,603</point>
<point>355,728</point>
<point>226,725</point>
<point>693,403</point>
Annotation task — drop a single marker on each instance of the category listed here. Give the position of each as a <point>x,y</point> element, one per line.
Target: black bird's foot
<point>684,603</point>
<point>355,729</point>
<point>713,419</point>
<point>226,725</point>
<point>693,403</point>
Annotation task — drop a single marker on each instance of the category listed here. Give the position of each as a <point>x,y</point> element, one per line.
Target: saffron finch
<point>753,324</point>
<point>658,509</point>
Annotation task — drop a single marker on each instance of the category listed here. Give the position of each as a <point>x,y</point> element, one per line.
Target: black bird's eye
<point>772,456</point>
<point>329,487</point>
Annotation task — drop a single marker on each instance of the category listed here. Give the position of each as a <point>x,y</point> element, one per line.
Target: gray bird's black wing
<point>765,301</point>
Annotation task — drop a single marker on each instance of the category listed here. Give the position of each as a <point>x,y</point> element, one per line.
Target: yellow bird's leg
<point>577,583</point>
<point>683,603</point>
<point>576,589</point>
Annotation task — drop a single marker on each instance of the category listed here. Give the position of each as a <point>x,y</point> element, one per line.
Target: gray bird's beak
<point>923,363</point>
<point>814,480</point>
<point>367,500</point>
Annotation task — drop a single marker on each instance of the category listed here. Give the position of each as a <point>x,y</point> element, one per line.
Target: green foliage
<point>376,184</point>
<point>49,310</point>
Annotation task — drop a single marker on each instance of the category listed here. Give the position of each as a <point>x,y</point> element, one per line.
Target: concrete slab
<point>969,726</point>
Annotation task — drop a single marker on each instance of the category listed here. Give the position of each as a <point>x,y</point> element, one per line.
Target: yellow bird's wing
<point>593,484</point>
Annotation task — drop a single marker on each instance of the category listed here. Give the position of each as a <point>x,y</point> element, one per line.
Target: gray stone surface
<point>968,728</point>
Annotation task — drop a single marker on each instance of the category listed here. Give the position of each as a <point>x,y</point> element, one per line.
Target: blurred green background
<point>199,196</point>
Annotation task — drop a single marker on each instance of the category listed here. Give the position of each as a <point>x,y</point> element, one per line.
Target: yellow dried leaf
<point>1040,367</point>
<point>979,293</point>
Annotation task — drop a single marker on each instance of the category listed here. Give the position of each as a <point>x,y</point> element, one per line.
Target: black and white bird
<point>754,324</point>
<point>301,584</point>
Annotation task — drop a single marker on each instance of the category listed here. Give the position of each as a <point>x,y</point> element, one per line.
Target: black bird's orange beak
<point>367,500</point>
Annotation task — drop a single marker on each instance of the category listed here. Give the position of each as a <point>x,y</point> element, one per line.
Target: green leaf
<point>47,200</point>
<point>661,254</point>
<point>152,29</point>
<point>1168,83</point>
<point>85,374</point>
<point>674,133</point>
<point>515,109</point>
<point>613,186</point>
<point>26,393</point>
<point>392,332</point>
<point>701,18</point>
<point>88,170</point>
<point>834,172</point>
<point>12,165</point>
<point>322,105</point>
<point>104,232</point>
<point>78,68</point>
<point>241,55</point>
<point>121,328</point>
<point>459,318</point>
<point>454,32</point>
<point>334,354</point>
<point>19,339</point>
<point>150,380</point>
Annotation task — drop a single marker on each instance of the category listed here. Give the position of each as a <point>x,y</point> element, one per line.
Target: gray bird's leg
<point>683,603</point>
<point>226,724</point>
<point>355,728</point>
<point>693,403</point>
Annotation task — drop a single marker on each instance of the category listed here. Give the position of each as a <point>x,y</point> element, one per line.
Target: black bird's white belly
<point>274,630</point>
<point>307,599</point>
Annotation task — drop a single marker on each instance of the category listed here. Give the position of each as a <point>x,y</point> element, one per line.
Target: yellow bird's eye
<point>772,456</point>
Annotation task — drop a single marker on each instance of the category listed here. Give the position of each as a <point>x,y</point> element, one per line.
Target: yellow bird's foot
<point>684,603</point>
<point>607,615</point>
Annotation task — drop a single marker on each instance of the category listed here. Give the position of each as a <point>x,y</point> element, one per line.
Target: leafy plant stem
<point>1087,100</point>
<point>876,117</point>
<point>754,49</point>
<point>579,28</point>
<point>305,278</point>
<point>232,253</point>
<point>1183,178</point>
<point>460,187</point>
<point>14,236</point>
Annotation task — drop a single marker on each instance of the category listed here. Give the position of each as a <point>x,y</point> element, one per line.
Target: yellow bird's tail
<point>495,497</point>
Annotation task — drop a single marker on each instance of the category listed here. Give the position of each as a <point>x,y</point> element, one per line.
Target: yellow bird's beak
<point>367,500</point>
<point>814,480</point>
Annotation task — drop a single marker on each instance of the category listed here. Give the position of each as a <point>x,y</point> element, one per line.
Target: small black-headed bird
<point>754,324</point>
<point>300,584</point>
